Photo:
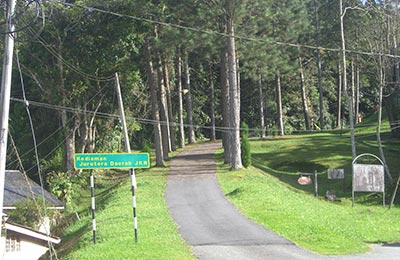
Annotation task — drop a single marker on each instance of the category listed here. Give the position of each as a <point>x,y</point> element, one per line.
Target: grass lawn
<point>158,235</point>
<point>269,194</point>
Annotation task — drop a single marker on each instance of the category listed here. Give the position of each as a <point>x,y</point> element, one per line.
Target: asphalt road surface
<point>216,230</point>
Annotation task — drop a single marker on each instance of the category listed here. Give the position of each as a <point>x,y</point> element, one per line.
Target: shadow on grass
<point>70,241</point>
<point>234,192</point>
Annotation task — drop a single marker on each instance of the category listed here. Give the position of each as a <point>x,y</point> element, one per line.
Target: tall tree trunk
<point>69,131</point>
<point>88,135</point>
<point>180,101</point>
<point>304,95</point>
<point>85,126</point>
<point>164,111</point>
<point>349,99</point>
<point>212,101</point>
<point>189,108</point>
<point>319,66</point>
<point>353,89</point>
<point>69,143</point>
<point>169,105</point>
<point>238,82</point>
<point>391,102</point>
<point>226,137</point>
<point>392,114</point>
<point>70,139</point>
<point>234,96</point>
<point>154,106</point>
<point>357,105</point>
<point>92,138</point>
<point>378,129</point>
<point>281,130</point>
<point>339,98</point>
<point>262,106</point>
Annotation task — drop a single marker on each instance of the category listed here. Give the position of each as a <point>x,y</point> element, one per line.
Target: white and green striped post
<point>93,207</point>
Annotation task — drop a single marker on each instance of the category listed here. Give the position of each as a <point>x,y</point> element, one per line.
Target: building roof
<point>17,188</point>
<point>31,233</point>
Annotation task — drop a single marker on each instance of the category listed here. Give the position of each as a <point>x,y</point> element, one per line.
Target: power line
<point>55,132</point>
<point>51,247</point>
<point>151,121</point>
<point>31,5</point>
<point>239,37</point>
<point>26,103</point>
<point>130,118</point>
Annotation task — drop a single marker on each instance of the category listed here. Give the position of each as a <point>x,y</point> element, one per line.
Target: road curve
<point>213,226</point>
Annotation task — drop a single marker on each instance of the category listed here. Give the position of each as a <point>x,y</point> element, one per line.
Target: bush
<point>146,148</point>
<point>30,213</point>
<point>245,146</point>
<point>64,185</point>
<point>273,131</point>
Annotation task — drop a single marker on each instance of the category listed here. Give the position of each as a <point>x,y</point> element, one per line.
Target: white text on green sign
<point>111,160</point>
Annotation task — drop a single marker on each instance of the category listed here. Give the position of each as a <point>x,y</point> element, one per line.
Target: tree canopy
<point>197,69</point>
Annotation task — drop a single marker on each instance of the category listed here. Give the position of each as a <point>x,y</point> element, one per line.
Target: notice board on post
<point>335,174</point>
<point>368,177</point>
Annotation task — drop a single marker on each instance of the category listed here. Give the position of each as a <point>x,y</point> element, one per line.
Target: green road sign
<point>111,160</point>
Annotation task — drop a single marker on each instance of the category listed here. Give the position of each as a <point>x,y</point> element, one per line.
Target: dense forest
<point>191,70</point>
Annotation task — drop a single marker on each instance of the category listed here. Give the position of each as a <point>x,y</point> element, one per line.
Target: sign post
<point>110,161</point>
<point>127,149</point>
<point>93,207</point>
<point>305,179</point>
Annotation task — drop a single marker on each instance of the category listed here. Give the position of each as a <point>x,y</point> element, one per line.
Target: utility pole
<point>344,81</point>
<point>128,150</point>
<point>5,97</point>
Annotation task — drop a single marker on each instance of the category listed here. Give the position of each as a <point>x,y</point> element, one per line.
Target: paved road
<point>216,230</point>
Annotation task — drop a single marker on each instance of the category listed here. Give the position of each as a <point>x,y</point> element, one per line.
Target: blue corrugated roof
<point>16,189</point>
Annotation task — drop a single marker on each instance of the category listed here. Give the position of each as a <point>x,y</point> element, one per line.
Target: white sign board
<point>335,174</point>
<point>368,178</point>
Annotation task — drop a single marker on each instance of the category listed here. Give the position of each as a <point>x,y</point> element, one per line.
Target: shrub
<point>64,185</point>
<point>146,148</point>
<point>30,213</point>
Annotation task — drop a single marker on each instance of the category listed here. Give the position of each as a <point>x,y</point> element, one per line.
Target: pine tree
<point>246,150</point>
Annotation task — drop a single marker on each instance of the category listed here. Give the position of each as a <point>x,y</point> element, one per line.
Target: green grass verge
<point>313,223</point>
<point>271,196</point>
<point>158,235</point>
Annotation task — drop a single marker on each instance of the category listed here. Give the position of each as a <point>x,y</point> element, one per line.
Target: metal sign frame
<point>309,175</point>
<point>91,161</point>
<point>382,175</point>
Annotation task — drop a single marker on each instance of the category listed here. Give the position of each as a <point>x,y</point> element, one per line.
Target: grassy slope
<point>271,196</point>
<point>158,235</point>
<point>318,225</point>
